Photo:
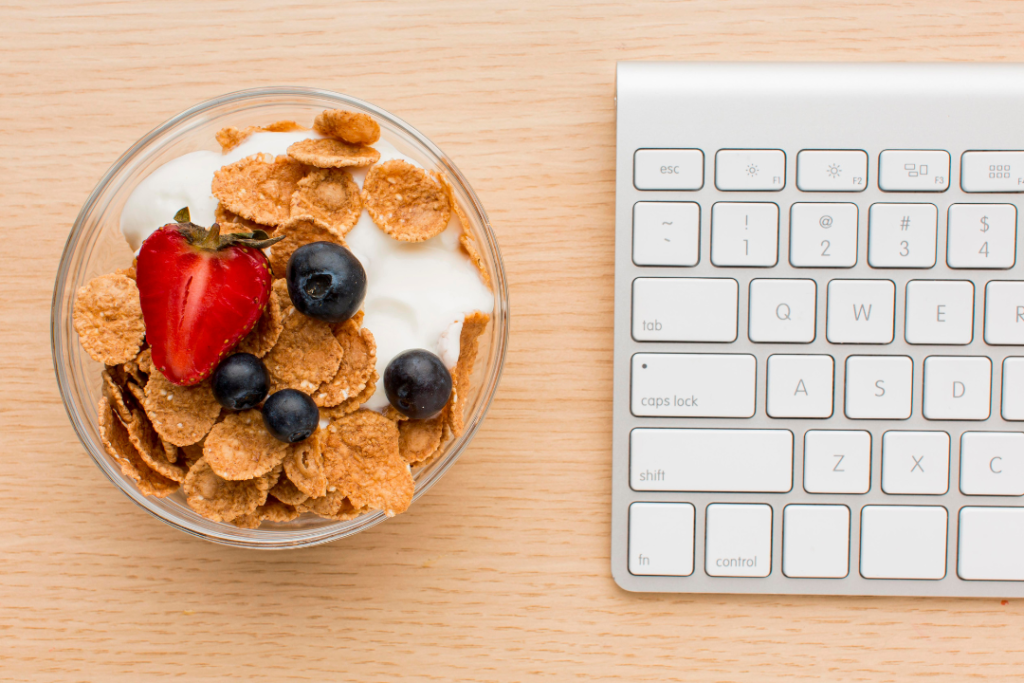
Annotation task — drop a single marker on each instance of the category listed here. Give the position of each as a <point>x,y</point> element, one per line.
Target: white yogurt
<point>417,294</point>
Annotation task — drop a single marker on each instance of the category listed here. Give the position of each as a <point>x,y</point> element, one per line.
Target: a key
<point>992,171</point>
<point>739,540</point>
<point>902,235</point>
<point>661,539</point>
<point>878,387</point>
<point>823,235</point>
<point>991,544</point>
<point>981,236</point>
<point>744,234</point>
<point>940,312</point>
<point>668,169</point>
<point>693,385</point>
<point>913,170</point>
<point>684,309</point>
<point>1004,313</point>
<point>816,541</point>
<point>750,169</point>
<point>837,461</point>
<point>800,386</point>
<point>1013,389</point>
<point>903,542</point>
<point>992,463</point>
<point>915,462</point>
<point>831,170</point>
<point>782,310</point>
<point>860,311</point>
<point>957,388</point>
<point>666,233</point>
<point>751,460</point>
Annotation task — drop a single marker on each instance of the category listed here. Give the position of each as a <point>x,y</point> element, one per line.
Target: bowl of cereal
<point>279,318</point>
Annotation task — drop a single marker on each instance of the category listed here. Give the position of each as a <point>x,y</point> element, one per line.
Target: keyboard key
<point>902,542</point>
<point>902,235</point>
<point>666,233</point>
<point>782,310</point>
<point>800,386</point>
<point>860,311</point>
<point>744,234</point>
<point>992,463</point>
<point>661,539</point>
<point>940,312</point>
<point>750,169</point>
<point>668,169</point>
<point>913,170</point>
<point>831,170</point>
<point>837,461</point>
<point>878,387</point>
<point>693,385</point>
<point>739,540</point>
<point>981,236</point>
<point>1004,313</point>
<point>685,309</point>
<point>823,235</point>
<point>1013,389</point>
<point>816,541</point>
<point>992,171</point>
<point>727,460</point>
<point>915,462</point>
<point>991,544</point>
<point>957,388</point>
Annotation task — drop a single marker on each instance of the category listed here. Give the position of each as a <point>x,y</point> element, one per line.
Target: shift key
<point>693,385</point>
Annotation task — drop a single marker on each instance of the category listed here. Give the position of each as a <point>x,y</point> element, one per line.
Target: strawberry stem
<point>212,238</point>
<point>183,216</point>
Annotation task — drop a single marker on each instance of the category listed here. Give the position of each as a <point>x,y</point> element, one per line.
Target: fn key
<point>661,539</point>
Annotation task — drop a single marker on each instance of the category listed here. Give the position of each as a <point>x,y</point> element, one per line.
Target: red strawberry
<point>201,292</point>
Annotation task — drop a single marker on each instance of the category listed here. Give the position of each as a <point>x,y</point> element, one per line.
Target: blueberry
<point>326,281</point>
<point>417,384</point>
<point>290,415</point>
<point>241,381</point>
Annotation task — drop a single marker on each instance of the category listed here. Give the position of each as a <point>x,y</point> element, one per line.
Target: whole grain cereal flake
<point>363,463</point>
<point>264,334</point>
<point>297,232</point>
<point>466,238</point>
<point>151,448</point>
<point>306,354</point>
<point>225,217</point>
<point>469,342</point>
<point>108,318</point>
<point>259,187</point>
<point>275,510</point>
<point>286,491</point>
<point>115,395</point>
<point>405,201</point>
<point>231,137</point>
<point>219,499</point>
<point>304,468</point>
<point>180,415</point>
<point>357,365</point>
<point>352,127</point>
<point>420,439</point>
<point>352,404</point>
<point>118,444</point>
<point>330,197</point>
<point>241,448</point>
<point>332,153</point>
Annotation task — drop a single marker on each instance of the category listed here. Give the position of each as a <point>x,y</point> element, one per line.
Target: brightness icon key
<point>828,170</point>
<point>750,170</point>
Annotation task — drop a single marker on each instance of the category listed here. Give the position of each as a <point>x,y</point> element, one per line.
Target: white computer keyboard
<point>819,329</point>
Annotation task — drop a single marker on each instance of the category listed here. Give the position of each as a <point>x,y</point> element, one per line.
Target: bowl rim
<point>323,534</point>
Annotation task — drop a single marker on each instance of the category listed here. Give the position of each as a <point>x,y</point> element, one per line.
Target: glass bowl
<point>95,246</point>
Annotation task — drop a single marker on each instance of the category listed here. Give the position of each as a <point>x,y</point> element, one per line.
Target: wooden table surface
<point>501,572</point>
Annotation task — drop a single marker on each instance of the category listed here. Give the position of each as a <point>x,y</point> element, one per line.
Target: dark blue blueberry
<point>326,281</point>
<point>241,381</point>
<point>417,384</point>
<point>290,415</point>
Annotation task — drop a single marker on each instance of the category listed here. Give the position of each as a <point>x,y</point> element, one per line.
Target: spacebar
<point>742,460</point>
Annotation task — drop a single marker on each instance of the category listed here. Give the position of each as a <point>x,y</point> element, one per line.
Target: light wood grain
<point>501,573</point>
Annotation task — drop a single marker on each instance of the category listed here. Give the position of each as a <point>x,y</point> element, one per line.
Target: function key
<point>913,170</point>
<point>992,171</point>
<point>832,170</point>
<point>661,539</point>
<point>668,169</point>
<point>750,169</point>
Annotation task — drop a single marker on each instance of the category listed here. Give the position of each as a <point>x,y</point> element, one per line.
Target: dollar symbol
<point>984,223</point>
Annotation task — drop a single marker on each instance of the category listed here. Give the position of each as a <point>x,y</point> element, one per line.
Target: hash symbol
<point>905,222</point>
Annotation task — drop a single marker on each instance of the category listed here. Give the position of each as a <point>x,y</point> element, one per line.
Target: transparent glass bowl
<point>96,246</point>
